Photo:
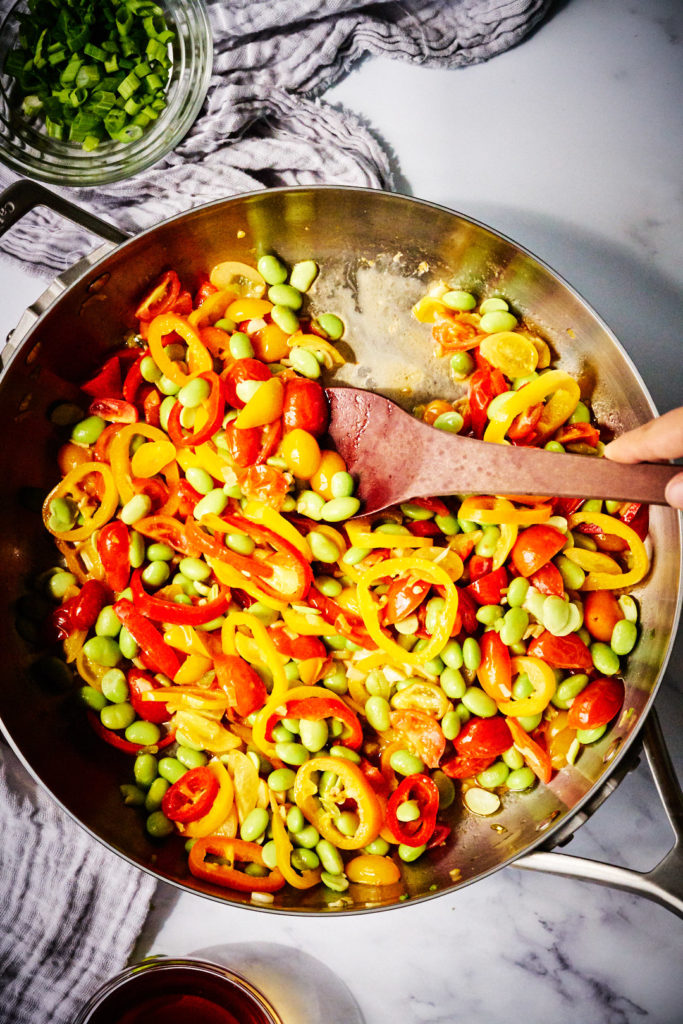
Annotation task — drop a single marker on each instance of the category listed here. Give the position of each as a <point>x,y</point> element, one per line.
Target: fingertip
<point>674,491</point>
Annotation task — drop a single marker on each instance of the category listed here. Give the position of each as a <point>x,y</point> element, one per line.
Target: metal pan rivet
<point>547,822</point>
<point>611,751</point>
<point>99,282</point>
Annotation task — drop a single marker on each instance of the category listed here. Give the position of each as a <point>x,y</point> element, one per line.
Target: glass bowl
<point>27,149</point>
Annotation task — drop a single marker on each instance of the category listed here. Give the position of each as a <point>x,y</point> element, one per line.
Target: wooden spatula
<point>396,457</point>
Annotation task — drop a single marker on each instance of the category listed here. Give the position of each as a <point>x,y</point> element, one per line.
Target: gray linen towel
<point>70,910</point>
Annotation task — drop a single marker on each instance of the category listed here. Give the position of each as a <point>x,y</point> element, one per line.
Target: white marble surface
<point>570,144</point>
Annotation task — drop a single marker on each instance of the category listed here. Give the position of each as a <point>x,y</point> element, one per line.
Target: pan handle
<point>663,883</point>
<point>23,195</point>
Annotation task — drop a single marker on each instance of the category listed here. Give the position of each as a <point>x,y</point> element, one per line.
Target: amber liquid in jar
<point>180,995</point>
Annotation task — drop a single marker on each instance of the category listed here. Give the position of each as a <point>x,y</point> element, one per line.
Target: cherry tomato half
<point>597,704</point>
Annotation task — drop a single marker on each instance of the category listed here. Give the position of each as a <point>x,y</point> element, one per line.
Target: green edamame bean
<point>339,508</point>
<point>269,853</point>
<point>457,299</point>
<point>199,479</point>
<point>132,796</point>
<point>452,683</point>
<point>156,573</point>
<point>59,583</point>
<point>115,686</point>
<point>513,759</point>
<point>471,653</point>
<point>305,860</point>
<point>285,295</point>
<point>347,823</point>
<point>322,548</point>
<point>331,326</point>
<point>285,318</point>
<point>586,736</point>
<point>628,607</point>
<point>103,650</point>
<point>530,722</point>
<point>572,574</point>
<point>446,789</point>
<point>378,712</point>
<point>194,569</point>
<point>489,613</point>
<point>242,543</point>
<point>303,275</point>
<point>448,525</point>
<point>497,320</point>
<point>166,406</point>
<point>534,602</point>
<point>408,810</point>
<point>139,506</point>
<point>451,724</point>
<point>335,680</point>
<point>145,733</point>
<point>149,370</point>
<point>313,734</point>
<point>342,485</point>
<point>568,689</point>
<point>494,776</point>
<point>327,782</point>
<point>624,636</point>
<point>330,858</point>
<point>517,591</point>
<point>92,698</point>
<point>462,364</point>
<point>308,837</point>
<point>605,659</point>
<point>158,826</point>
<point>522,687</point>
<point>451,655</point>
<point>304,362</point>
<point>281,734</point>
<point>410,853</point>
<point>488,543</point>
<point>493,304</point>
<point>434,613</point>
<point>479,703</point>
<point>515,623</point>
<point>255,824</point>
<point>415,512</point>
<point>240,346</point>
<point>354,555</point>
<point>556,614</point>
<point>378,847</point>
<point>553,446</point>
<point>520,779</point>
<point>193,394</point>
<point>405,763</point>
<point>310,504</point>
<point>136,549</point>
<point>127,645</point>
<point>108,622</point>
<point>171,769</point>
<point>213,503</point>
<point>191,758</point>
<point>62,514</point>
<point>281,779</point>
<point>349,755</point>
<point>295,820</point>
<point>255,870</point>
<point>272,270</point>
<point>156,793</point>
<point>337,883</point>
<point>145,770</point>
<point>451,422</point>
<point>88,430</point>
<point>328,586</point>
<point>66,414</point>
<point>160,552</point>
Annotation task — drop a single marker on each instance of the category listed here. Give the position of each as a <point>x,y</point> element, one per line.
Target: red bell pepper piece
<point>439,835</point>
<point>263,483</point>
<point>214,408</point>
<point>424,528</point>
<point>205,289</point>
<point>424,791</point>
<point>597,704</point>
<point>347,625</point>
<point>488,589</point>
<point>139,684</point>
<point>317,708</point>
<point>81,610</point>
<point>467,612</point>
<point>167,530</point>
<point>561,651</point>
<point>534,547</point>
<point>113,547</point>
<point>191,796</point>
<point>120,742</point>
<point>153,651</point>
<point>183,304</point>
<point>244,446</point>
<point>134,380</point>
<point>483,737</point>
<point>522,430</point>
<point>161,298</point>
<point>242,683</point>
<point>151,407</point>
<point>636,516</point>
<point>566,506</point>
<point>153,607</point>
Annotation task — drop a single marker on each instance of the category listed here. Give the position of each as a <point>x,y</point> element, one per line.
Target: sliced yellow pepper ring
<point>202,730</point>
<point>513,354</point>
<point>351,784</point>
<point>193,668</point>
<point>122,468</point>
<point>506,542</point>
<point>219,809</point>
<point>360,535</point>
<point>283,852</point>
<point>424,570</point>
<point>486,510</point>
<point>212,308</point>
<point>559,387</point>
<point>305,625</point>
<point>264,406</point>
<point>639,561</point>
<point>199,358</point>
<point>186,639</point>
<point>70,485</point>
<point>593,561</point>
<point>238,277</point>
<point>232,578</point>
<point>267,651</point>
<point>541,677</point>
<point>266,516</point>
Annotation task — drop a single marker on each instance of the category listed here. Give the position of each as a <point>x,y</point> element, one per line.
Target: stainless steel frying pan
<point>378,254</point>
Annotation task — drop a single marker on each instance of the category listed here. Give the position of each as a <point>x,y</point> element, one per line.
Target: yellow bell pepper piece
<point>70,484</point>
<point>248,309</point>
<point>593,561</point>
<point>559,387</point>
<point>639,561</point>
<point>283,851</point>
<point>121,465</point>
<point>487,510</point>
<point>542,678</point>
<point>212,308</point>
<point>359,534</point>
<point>186,639</point>
<point>266,516</point>
<point>422,569</point>
<point>305,625</point>
<point>193,668</point>
<point>219,809</point>
<point>149,459</point>
<point>264,406</point>
<point>506,542</point>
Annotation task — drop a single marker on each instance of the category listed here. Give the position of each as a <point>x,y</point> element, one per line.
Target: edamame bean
<point>457,299</point>
<point>59,582</point>
<point>513,759</point>
<point>522,687</point>
<point>628,607</point>
<point>487,545</point>
<point>335,680</point>
<point>305,860</point>
<point>410,853</point>
<point>452,683</point>
<point>145,770</point>
<point>272,270</point>
<point>193,394</point>
<point>451,655</point>
<point>328,586</point>
<point>581,414</point>
<point>308,837</point>
<point>311,505</point>
<point>92,698</point>
<point>156,573</point>
<point>144,733</point>
<point>194,569</point>
<point>304,362</point>
<point>240,346</point>
<point>354,555</point>
<point>160,552</point>
<point>494,776</point>
<point>462,364</point>
<point>530,722</point>
<point>572,574</point>
<point>281,779</point>
<point>405,763</point>
<point>347,823</point>
<point>497,320</point>
<point>337,883</point>
<point>295,820</point>
<point>534,602</point>
<point>103,650</point>
<point>342,485</point>
<point>515,623</point>
<point>451,422</point>
<point>434,613</point>
<point>191,758</point>
<point>408,810</point>
<point>349,755</point>
<point>88,430</point>
<point>63,514</point>
<point>556,614</point>
<point>136,549</point>
<point>448,525</point>
<point>520,779</point>
<point>255,824</point>
<point>517,591</point>
<point>285,295</point>
<point>108,622</point>
<point>624,636</point>
<point>331,326</point>
<point>493,304</point>
<point>339,508</point>
<point>313,734</point>
<point>586,736</point>
<point>378,712</point>
<point>199,479</point>
<point>285,318</point>
<point>281,734</point>
<point>139,506</point>
<point>322,547</point>
<point>568,689</point>
<point>303,275</point>
<point>451,724</point>
<point>269,853</point>
<point>479,703</point>
<point>213,503</point>
<point>488,614</point>
<point>127,645</point>
<point>158,826</point>
<point>171,769</point>
<point>114,686</point>
<point>132,796</point>
<point>471,653</point>
<point>605,659</point>
<point>168,387</point>
<point>330,858</point>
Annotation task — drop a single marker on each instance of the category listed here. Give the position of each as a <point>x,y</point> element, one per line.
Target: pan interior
<point>378,254</point>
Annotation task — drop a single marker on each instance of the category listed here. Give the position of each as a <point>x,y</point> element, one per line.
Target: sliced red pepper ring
<point>191,796</point>
<point>215,405</point>
<point>120,743</point>
<point>171,612</point>
<point>153,651</point>
<point>424,791</point>
<point>221,870</point>
<point>315,704</point>
<point>139,685</point>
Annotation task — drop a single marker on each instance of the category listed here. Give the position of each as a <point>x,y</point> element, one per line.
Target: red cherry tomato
<point>243,445</point>
<point>463,766</point>
<point>495,671</point>
<point>479,565</point>
<point>597,704</point>
<point>88,604</point>
<point>241,370</point>
<point>548,580</point>
<point>483,737</point>
<point>423,734</point>
<point>305,406</point>
<point>191,797</point>
<point>403,597</point>
<point>533,753</point>
<point>141,684</point>
<point>561,651</point>
<point>488,589</point>
<point>534,547</point>
<point>304,647</point>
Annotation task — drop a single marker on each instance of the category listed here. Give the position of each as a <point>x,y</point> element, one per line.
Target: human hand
<point>661,438</point>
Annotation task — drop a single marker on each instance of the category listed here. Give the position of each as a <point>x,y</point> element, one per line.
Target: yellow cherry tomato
<point>270,343</point>
<point>371,869</point>
<point>321,481</point>
<point>301,452</point>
